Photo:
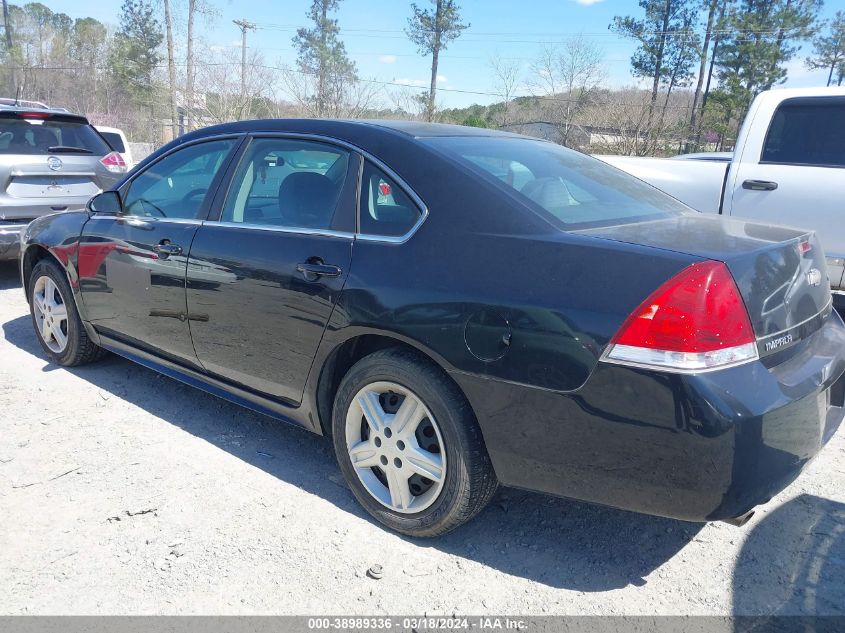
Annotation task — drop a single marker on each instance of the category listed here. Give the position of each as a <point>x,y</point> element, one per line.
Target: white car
<point>117,140</point>
<point>788,168</point>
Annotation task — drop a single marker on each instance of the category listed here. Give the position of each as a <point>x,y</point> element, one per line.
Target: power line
<point>362,80</point>
<point>727,31</point>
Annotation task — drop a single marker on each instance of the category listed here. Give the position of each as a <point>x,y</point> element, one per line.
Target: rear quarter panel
<point>535,310</point>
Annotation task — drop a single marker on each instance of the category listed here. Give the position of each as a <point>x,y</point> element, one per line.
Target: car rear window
<point>571,190</point>
<point>37,136</point>
<point>114,141</point>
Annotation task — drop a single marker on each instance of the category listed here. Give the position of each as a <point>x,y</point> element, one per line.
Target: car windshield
<point>38,136</point>
<point>571,190</point>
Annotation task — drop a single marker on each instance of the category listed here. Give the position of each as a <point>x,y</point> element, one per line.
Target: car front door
<point>134,262</point>
<point>795,179</point>
<point>264,275</point>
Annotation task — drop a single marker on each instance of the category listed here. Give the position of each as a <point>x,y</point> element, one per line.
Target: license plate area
<point>51,187</point>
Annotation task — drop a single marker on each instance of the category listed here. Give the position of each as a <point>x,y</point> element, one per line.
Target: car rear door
<point>134,288</point>
<point>795,179</point>
<point>265,271</point>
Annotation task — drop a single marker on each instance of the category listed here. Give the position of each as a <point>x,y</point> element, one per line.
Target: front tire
<point>408,445</point>
<point>55,318</point>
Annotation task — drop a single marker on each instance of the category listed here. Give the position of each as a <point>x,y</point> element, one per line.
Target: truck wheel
<point>408,445</point>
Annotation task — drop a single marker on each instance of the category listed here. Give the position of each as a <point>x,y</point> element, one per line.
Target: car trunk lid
<point>51,176</point>
<point>779,271</point>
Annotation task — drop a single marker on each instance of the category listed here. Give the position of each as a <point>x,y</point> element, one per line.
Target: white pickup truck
<point>788,168</point>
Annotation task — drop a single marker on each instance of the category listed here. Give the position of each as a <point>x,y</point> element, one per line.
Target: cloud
<point>587,3</point>
<point>387,59</point>
<point>442,78</point>
<point>404,81</point>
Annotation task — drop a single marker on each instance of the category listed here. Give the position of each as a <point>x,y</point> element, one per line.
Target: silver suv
<point>50,161</point>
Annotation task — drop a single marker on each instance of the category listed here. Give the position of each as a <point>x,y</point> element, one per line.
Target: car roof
<point>57,112</point>
<point>105,128</point>
<point>349,128</point>
<point>420,129</point>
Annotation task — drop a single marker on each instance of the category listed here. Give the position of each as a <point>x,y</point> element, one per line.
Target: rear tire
<point>421,467</point>
<point>55,319</point>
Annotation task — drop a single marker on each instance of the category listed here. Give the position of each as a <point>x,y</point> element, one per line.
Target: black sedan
<point>458,308</point>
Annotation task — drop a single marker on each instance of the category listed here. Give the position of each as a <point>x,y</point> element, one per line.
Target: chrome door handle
<point>165,249</point>
<point>313,270</point>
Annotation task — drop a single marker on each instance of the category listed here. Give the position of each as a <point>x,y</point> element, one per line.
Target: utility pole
<point>244,26</point>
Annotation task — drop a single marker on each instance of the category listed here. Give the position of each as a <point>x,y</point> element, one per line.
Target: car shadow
<point>9,275</point>
<point>793,562</point>
<point>556,542</point>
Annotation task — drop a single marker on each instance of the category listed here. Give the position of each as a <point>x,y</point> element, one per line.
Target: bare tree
<point>228,94</point>
<point>506,76</point>
<point>189,64</point>
<point>171,69</point>
<point>712,6</point>
<point>621,120</point>
<point>567,78</point>
<point>409,102</point>
<point>206,10</point>
<point>343,97</point>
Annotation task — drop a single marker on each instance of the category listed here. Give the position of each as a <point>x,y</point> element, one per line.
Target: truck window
<point>807,131</point>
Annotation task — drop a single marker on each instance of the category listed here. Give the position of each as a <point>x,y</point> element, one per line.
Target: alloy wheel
<point>51,316</point>
<point>395,447</point>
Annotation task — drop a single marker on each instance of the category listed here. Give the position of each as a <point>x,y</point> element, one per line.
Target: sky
<point>373,33</point>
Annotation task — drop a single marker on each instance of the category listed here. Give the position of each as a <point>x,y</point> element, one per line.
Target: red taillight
<point>114,162</point>
<point>696,320</point>
<point>35,115</point>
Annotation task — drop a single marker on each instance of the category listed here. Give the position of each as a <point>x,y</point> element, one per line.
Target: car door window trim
<point>225,187</point>
<point>216,181</point>
<point>280,229</point>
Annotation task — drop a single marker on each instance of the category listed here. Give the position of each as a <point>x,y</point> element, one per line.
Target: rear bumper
<point>27,209</point>
<point>10,240</point>
<point>19,212</point>
<point>695,447</point>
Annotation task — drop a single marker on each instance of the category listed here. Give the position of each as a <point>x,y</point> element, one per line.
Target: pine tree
<point>829,51</point>
<point>668,46</point>
<point>323,56</point>
<point>765,35</point>
<point>134,55</point>
<point>432,31</point>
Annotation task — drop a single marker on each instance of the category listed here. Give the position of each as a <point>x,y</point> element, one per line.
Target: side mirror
<point>105,203</point>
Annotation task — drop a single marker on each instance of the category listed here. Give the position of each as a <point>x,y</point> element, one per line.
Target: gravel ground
<point>125,492</point>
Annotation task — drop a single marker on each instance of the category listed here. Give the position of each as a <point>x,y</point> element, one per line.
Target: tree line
<point>703,61</point>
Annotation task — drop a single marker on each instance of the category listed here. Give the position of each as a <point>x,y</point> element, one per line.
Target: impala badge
<point>54,163</point>
<point>814,277</point>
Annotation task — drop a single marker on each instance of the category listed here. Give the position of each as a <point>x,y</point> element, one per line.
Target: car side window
<point>386,210</point>
<point>288,183</point>
<point>807,131</point>
<point>176,185</point>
